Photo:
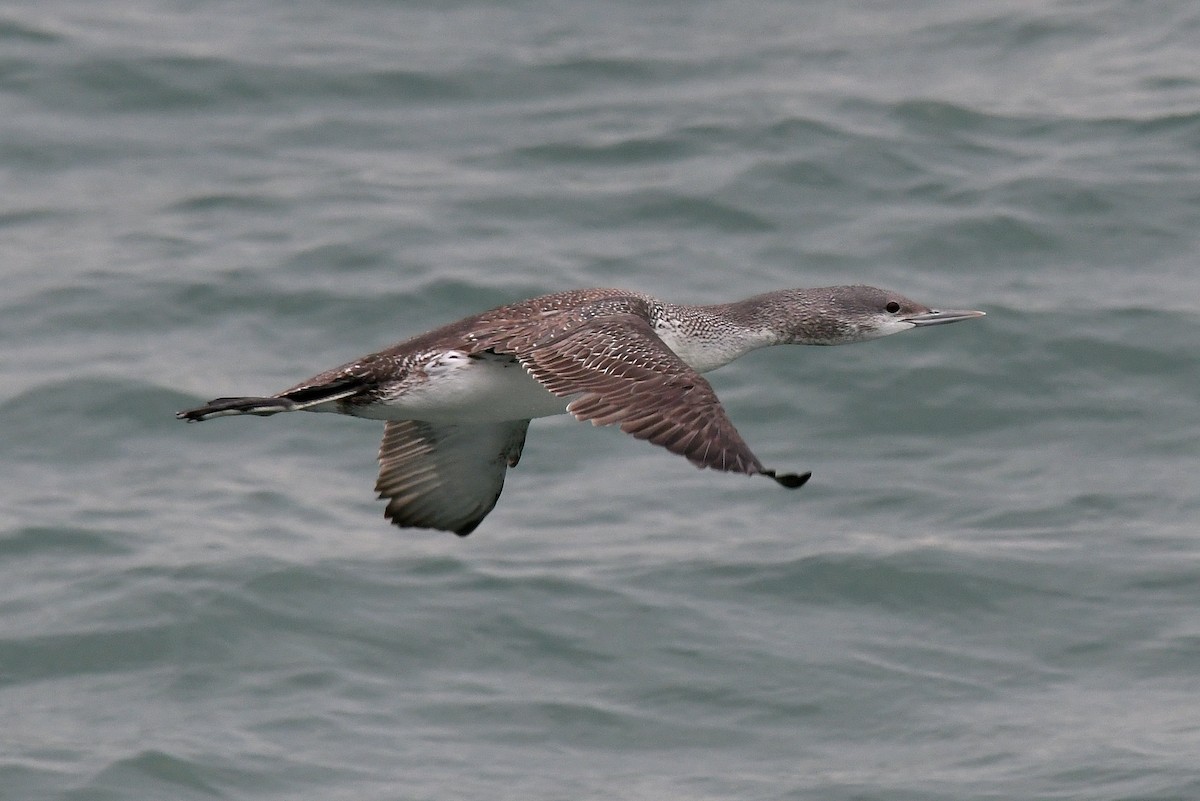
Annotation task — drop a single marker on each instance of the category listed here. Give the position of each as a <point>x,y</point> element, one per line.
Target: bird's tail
<point>314,397</point>
<point>220,407</point>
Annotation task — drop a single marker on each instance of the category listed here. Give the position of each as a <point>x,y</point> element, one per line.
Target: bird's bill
<point>942,317</point>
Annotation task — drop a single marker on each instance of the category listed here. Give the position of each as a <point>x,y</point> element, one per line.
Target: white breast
<point>462,389</point>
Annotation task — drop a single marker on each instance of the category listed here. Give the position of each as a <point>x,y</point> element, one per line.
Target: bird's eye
<point>892,307</point>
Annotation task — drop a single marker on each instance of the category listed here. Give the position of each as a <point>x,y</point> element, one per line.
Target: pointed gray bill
<point>936,317</point>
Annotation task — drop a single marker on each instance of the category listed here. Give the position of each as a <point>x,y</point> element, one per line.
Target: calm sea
<point>989,590</point>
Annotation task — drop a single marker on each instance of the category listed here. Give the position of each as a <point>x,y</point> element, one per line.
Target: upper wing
<point>628,376</point>
<point>445,476</point>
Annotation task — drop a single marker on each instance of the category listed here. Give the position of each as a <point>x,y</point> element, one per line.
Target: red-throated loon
<point>458,399</point>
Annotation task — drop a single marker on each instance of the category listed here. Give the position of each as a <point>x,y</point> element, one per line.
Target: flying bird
<point>457,400</point>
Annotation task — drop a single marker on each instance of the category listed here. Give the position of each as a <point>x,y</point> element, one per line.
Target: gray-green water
<point>989,589</point>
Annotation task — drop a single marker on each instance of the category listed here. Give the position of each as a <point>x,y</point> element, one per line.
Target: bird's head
<point>839,315</point>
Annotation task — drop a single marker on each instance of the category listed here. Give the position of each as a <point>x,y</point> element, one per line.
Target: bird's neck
<point>708,337</point>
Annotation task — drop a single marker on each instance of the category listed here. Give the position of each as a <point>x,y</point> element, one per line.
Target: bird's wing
<point>623,373</point>
<point>445,476</point>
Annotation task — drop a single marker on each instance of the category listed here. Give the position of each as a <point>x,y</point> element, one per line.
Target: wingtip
<point>789,480</point>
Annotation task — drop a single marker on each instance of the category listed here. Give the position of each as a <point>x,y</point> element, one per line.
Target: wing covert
<point>625,375</point>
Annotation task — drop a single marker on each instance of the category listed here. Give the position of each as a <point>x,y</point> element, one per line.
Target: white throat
<point>712,349</point>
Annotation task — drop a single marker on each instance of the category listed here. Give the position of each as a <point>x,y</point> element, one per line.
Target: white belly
<point>465,390</point>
